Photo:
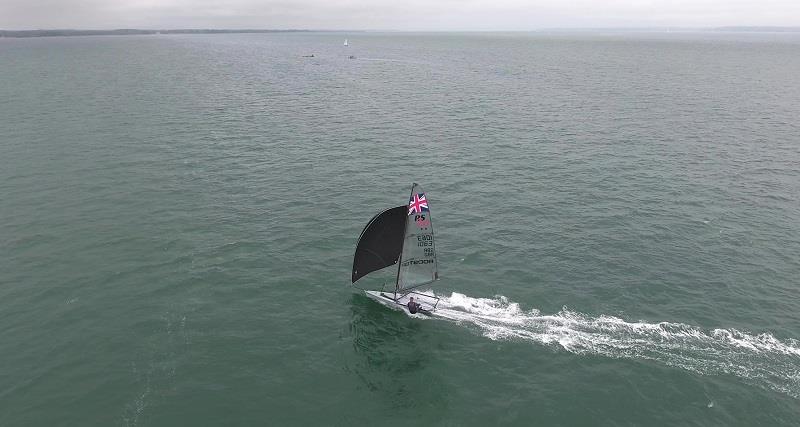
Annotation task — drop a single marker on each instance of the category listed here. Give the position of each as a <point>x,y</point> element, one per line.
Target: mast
<point>400,259</point>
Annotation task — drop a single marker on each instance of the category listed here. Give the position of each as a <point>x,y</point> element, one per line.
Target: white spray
<point>761,359</point>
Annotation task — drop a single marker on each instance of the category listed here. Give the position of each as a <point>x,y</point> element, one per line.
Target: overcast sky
<point>394,14</point>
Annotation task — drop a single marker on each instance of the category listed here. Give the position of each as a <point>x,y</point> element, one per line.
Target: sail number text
<point>424,240</point>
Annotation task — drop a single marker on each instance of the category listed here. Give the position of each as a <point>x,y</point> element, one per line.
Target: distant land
<point>732,29</point>
<point>127,32</point>
<point>761,29</point>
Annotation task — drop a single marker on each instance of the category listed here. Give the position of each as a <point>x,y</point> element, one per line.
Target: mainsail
<point>418,260</point>
<point>380,242</point>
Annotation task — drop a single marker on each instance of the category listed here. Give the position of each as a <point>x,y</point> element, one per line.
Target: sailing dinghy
<point>401,236</point>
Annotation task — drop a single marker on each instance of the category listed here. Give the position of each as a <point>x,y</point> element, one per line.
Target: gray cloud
<point>393,15</point>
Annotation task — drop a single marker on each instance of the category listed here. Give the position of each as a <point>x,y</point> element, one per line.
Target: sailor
<point>413,306</point>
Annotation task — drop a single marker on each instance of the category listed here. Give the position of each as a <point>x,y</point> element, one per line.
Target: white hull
<point>427,302</point>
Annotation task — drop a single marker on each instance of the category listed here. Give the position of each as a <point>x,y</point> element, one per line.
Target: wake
<point>760,359</point>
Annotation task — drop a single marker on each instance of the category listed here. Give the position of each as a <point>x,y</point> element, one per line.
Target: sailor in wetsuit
<point>413,306</point>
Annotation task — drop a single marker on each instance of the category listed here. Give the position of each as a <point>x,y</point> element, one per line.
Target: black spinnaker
<point>380,243</point>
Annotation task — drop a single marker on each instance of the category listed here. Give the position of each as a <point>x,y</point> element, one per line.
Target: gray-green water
<point>617,216</point>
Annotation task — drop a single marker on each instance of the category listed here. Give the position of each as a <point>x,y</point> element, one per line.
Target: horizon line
<point>148,31</point>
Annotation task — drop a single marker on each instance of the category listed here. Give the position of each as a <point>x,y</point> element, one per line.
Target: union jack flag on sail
<point>417,204</point>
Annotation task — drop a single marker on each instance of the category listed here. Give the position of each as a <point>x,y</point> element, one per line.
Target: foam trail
<point>760,359</point>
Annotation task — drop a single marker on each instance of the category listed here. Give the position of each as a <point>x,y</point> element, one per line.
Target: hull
<point>427,302</point>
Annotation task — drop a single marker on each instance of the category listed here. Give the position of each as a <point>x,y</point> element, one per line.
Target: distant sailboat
<point>402,235</point>
<point>345,42</point>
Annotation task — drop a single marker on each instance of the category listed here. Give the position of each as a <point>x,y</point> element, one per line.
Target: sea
<point>617,219</point>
